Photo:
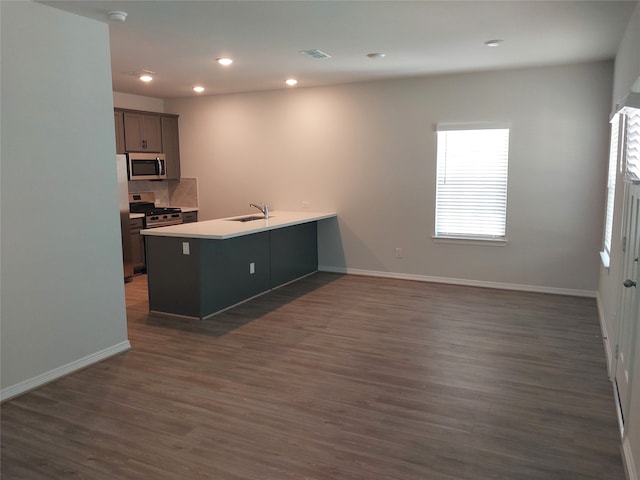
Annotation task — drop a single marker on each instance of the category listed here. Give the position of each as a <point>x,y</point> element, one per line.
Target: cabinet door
<point>119,121</point>
<point>152,134</point>
<point>171,146</point>
<point>137,252</point>
<point>137,245</point>
<point>142,132</point>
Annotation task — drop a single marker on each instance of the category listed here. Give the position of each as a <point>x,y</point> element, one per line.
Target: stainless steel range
<point>153,216</point>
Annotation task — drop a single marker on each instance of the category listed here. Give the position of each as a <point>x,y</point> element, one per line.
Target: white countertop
<point>224,228</point>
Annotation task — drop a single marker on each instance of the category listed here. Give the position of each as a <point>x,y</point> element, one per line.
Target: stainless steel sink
<point>247,219</point>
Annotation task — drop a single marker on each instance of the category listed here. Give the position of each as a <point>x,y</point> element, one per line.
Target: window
<point>611,187</point>
<point>471,190</point>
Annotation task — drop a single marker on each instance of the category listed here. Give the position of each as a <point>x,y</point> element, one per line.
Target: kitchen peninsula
<point>198,269</point>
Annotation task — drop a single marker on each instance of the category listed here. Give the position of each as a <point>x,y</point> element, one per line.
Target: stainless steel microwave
<point>147,166</point>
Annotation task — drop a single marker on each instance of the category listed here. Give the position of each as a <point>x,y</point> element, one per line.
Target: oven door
<point>147,166</point>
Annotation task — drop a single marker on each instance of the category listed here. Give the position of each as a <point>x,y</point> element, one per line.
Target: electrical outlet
<point>185,248</point>
<point>398,252</point>
<point>252,268</point>
<point>305,204</point>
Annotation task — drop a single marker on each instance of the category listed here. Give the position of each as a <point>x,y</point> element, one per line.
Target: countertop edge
<point>167,231</point>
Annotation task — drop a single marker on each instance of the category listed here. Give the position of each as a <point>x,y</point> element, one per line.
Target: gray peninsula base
<point>196,277</point>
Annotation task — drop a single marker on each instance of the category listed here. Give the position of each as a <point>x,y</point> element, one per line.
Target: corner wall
<point>62,298</point>
<point>367,151</point>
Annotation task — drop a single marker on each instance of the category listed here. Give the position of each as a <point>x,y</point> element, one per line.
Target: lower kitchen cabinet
<point>137,244</point>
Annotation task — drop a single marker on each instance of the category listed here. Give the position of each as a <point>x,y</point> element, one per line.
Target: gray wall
<point>62,282</point>
<point>367,151</point>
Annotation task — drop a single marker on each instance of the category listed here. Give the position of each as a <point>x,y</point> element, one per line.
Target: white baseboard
<point>47,377</point>
<point>461,281</point>
<point>627,459</point>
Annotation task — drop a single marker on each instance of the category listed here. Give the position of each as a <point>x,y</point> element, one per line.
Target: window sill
<point>492,242</point>
<point>604,257</point>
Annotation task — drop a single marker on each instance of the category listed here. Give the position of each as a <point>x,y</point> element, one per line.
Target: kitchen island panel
<point>215,275</point>
<point>294,252</point>
<point>226,277</point>
<point>174,278</point>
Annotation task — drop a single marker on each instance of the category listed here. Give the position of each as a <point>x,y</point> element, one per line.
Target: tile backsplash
<point>184,193</point>
<point>175,193</point>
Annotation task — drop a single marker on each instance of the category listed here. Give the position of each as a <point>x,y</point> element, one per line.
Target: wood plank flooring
<point>335,377</point>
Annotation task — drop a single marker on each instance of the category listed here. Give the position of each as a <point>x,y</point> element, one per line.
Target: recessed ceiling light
<point>376,55</point>
<point>493,43</point>
<point>225,61</point>
<point>145,77</point>
<point>198,89</point>
<point>291,82</point>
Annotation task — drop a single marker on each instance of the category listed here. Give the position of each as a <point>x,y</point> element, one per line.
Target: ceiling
<point>181,40</point>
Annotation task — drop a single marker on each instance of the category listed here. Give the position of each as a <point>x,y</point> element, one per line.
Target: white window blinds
<point>471,191</point>
<point>611,181</point>
<point>632,150</point>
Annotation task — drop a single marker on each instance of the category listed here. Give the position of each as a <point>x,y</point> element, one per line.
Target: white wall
<point>138,102</point>
<point>627,65</point>
<point>627,71</point>
<point>62,296</point>
<point>367,151</point>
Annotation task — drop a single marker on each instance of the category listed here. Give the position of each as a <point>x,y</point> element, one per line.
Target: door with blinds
<point>629,307</point>
<point>628,320</point>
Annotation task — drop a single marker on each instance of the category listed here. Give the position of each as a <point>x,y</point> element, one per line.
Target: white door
<point>629,297</point>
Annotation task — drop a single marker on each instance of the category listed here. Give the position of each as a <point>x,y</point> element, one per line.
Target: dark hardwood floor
<point>335,377</point>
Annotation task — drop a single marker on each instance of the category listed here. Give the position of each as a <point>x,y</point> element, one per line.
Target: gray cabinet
<point>171,145</point>
<point>212,275</point>
<point>189,217</point>
<point>119,123</point>
<point>149,132</point>
<point>294,252</point>
<point>137,244</point>
<point>142,132</point>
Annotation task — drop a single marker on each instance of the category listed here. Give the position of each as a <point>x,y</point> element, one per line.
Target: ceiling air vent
<point>315,54</point>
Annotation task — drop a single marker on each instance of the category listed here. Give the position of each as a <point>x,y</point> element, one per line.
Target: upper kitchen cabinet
<point>119,120</point>
<point>171,145</point>
<point>142,133</point>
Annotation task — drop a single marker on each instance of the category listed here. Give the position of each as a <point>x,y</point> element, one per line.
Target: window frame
<point>471,238</point>
<point>616,164</point>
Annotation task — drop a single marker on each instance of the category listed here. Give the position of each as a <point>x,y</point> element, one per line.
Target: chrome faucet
<point>263,207</point>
